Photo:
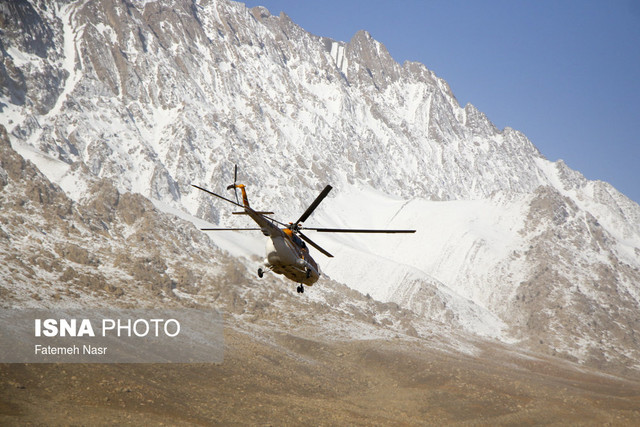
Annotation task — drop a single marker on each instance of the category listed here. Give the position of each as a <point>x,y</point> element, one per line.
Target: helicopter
<point>286,251</point>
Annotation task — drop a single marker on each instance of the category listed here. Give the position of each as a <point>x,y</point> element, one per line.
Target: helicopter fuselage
<point>286,253</point>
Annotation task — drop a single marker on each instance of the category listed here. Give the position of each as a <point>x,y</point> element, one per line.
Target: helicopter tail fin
<point>245,199</point>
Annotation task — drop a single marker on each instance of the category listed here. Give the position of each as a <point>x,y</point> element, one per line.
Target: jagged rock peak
<point>371,62</point>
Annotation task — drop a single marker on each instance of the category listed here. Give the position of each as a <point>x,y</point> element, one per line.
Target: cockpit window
<point>298,241</point>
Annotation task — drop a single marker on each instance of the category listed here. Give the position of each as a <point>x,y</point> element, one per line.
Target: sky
<point>566,73</point>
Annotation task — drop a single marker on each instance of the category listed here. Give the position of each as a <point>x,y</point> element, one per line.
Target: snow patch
<point>339,57</point>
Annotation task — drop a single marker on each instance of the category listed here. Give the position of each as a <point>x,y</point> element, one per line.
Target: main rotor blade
<point>231,229</point>
<point>217,195</point>
<point>242,206</point>
<point>355,230</point>
<point>276,221</point>
<point>315,204</point>
<point>314,244</point>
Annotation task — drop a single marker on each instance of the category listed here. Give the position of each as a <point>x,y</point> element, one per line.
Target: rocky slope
<point>290,379</point>
<point>116,249</point>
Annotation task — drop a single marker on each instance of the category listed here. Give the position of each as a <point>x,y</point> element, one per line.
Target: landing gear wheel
<point>300,289</point>
<point>260,273</point>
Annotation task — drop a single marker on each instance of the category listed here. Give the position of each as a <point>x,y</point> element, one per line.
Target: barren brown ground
<point>287,380</point>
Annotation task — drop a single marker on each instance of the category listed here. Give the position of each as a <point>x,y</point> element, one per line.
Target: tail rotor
<point>235,188</point>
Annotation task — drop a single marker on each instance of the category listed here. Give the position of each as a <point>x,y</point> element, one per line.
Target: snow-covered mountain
<point>156,95</point>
